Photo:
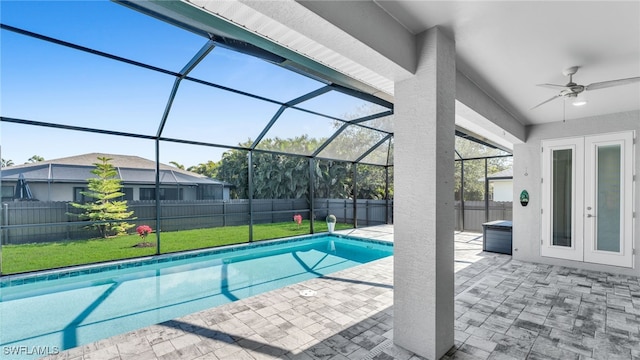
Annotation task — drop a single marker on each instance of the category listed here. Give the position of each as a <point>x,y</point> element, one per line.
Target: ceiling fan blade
<point>546,101</point>
<point>553,86</point>
<point>610,83</point>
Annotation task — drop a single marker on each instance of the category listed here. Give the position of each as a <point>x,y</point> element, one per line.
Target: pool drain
<point>307,292</point>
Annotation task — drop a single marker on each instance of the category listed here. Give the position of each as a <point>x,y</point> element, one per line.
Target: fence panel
<point>474,214</point>
<point>342,209</point>
<point>266,211</point>
<point>184,215</point>
<point>36,220</point>
<point>370,212</point>
<point>40,221</point>
<point>236,212</point>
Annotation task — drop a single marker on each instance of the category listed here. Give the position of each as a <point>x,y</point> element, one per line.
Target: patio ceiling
<point>214,90</point>
<point>507,48</point>
<point>503,48</point>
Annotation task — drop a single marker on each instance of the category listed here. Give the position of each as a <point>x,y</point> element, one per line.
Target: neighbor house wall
<point>189,193</point>
<point>52,192</point>
<point>64,191</point>
<point>502,190</point>
<point>527,173</point>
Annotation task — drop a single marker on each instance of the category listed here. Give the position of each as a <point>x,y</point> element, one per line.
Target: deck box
<point>497,236</point>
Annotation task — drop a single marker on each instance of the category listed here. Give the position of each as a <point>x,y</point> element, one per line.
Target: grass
<point>31,257</point>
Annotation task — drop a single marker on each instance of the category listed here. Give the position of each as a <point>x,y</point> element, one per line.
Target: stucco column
<point>424,131</point>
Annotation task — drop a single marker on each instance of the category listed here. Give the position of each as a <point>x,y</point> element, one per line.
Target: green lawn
<point>30,257</point>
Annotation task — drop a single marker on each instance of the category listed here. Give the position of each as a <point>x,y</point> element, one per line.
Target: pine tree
<point>105,190</point>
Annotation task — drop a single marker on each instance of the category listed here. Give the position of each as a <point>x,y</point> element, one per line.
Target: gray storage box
<point>497,236</point>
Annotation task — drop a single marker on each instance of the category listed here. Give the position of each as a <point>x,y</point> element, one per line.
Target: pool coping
<point>84,269</point>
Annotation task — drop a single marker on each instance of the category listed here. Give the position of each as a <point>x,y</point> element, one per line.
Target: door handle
<point>590,216</point>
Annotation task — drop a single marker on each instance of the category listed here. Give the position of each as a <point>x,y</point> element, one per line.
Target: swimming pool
<point>46,312</point>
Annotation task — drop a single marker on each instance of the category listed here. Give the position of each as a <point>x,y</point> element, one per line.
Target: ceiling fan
<point>574,91</point>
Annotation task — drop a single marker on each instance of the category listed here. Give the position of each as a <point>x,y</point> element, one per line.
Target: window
<point>7,192</point>
<point>147,194</point>
<point>165,194</point>
<point>210,192</point>
<point>128,194</point>
<point>77,195</point>
<point>79,198</point>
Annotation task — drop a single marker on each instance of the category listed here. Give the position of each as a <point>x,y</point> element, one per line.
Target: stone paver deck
<point>505,309</point>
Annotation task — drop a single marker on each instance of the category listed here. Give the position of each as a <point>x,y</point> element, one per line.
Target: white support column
<point>424,131</point>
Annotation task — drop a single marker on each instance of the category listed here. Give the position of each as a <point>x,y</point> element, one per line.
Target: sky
<point>44,82</point>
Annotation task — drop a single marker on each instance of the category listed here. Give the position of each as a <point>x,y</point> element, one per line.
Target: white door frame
<point>583,199</point>
<point>591,254</point>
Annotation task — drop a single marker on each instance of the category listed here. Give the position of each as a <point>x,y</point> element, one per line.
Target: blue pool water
<point>58,311</point>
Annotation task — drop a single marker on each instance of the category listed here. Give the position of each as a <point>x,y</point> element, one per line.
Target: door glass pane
<point>608,199</point>
<point>561,197</point>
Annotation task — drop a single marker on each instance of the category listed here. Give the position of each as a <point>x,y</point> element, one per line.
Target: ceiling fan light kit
<point>575,92</point>
<point>579,100</point>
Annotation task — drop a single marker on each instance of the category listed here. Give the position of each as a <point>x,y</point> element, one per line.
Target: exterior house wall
<point>64,191</point>
<point>52,192</point>
<point>527,172</point>
<point>502,190</point>
<point>190,193</point>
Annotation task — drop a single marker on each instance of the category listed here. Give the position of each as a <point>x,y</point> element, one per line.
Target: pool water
<point>46,316</point>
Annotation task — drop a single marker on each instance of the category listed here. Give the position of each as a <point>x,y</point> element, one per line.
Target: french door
<point>587,199</point>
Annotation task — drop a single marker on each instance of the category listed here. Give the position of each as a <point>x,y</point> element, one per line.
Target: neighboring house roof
<point>504,173</point>
<point>131,170</point>
<point>501,175</point>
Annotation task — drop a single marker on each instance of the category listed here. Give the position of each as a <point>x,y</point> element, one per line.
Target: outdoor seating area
<point>504,309</point>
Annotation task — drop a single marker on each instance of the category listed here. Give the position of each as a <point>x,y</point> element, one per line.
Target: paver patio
<point>505,309</point>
